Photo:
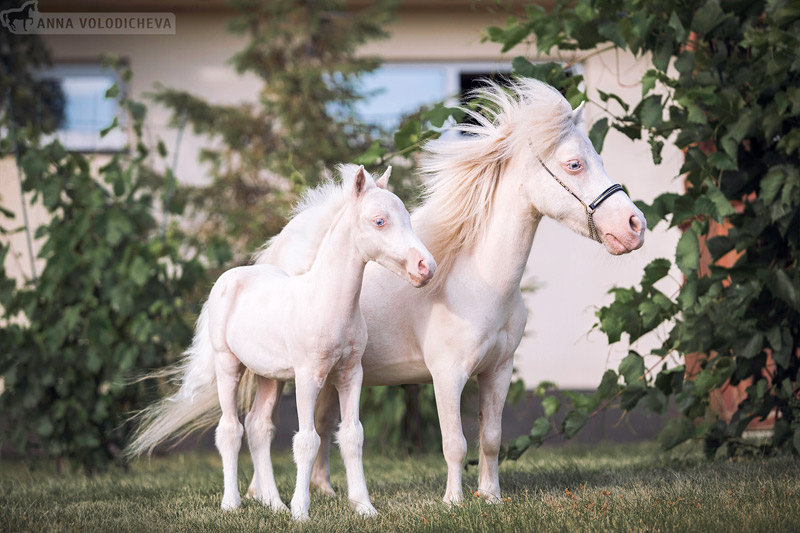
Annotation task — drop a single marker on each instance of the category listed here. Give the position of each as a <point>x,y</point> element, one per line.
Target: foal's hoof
<point>230,504</point>
<point>364,509</point>
<point>453,499</point>
<point>299,511</point>
<point>276,505</point>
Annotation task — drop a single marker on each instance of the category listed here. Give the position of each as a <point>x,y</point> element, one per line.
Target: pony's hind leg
<point>306,441</point>
<point>351,442</point>
<point>325,418</point>
<point>229,431</point>
<point>260,425</point>
<point>493,389</point>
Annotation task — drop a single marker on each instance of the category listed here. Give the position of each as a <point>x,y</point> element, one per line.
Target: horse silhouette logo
<point>21,19</point>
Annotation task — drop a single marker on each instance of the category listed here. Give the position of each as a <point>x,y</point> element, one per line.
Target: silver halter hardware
<point>590,209</point>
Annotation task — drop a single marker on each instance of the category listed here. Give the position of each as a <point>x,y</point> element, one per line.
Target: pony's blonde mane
<point>461,175</point>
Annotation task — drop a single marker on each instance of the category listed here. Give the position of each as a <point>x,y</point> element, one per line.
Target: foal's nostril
<point>422,268</point>
<point>636,224</point>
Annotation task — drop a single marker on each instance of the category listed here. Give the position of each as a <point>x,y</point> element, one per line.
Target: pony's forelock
<point>462,174</point>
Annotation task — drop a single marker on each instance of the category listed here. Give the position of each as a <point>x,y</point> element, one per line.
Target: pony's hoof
<point>490,497</point>
<point>325,488</point>
<point>364,509</point>
<point>230,504</point>
<point>252,492</point>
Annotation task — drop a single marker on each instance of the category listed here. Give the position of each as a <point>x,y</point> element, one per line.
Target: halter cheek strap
<point>590,209</point>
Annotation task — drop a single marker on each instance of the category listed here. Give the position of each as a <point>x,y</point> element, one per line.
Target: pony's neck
<point>338,269</point>
<point>502,251</point>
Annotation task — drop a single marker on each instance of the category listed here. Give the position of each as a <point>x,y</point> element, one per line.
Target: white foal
<point>485,195</point>
<point>308,328</point>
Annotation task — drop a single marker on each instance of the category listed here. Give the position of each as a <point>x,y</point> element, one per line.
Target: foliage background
<point>723,87</point>
<point>111,299</point>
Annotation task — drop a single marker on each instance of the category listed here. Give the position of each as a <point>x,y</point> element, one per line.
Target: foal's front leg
<point>306,441</point>
<point>351,440</point>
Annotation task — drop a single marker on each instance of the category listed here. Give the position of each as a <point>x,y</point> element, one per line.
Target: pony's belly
<point>383,371</point>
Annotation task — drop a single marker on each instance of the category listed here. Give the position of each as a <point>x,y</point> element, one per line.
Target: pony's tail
<point>194,406</point>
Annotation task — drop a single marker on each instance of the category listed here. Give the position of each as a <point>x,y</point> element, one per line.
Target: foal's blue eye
<point>380,222</point>
<point>574,165</point>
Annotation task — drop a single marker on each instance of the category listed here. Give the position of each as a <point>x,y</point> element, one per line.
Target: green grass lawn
<point>551,489</point>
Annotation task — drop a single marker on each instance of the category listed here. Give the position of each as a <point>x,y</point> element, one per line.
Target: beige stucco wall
<point>573,273</point>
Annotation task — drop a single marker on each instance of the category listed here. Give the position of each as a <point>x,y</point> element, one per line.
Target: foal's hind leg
<point>260,425</point>
<point>229,431</point>
<point>325,417</point>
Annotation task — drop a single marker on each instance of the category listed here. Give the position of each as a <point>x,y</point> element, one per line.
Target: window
<point>397,89</point>
<point>86,108</point>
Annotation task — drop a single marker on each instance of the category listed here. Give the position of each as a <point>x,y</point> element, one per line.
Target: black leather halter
<point>590,209</point>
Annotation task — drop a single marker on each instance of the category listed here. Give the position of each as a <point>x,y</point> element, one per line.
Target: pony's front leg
<point>228,437</point>
<point>492,389</point>
<point>260,425</point>
<point>448,385</point>
<point>306,441</point>
<point>326,415</point>
<point>351,440</point>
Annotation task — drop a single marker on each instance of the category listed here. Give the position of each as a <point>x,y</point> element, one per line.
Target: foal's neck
<point>338,269</point>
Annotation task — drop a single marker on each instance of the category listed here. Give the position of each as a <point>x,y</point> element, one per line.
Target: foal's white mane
<point>460,177</point>
<point>311,217</point>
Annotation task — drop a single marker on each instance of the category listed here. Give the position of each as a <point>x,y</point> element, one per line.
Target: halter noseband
<point>590,209</point>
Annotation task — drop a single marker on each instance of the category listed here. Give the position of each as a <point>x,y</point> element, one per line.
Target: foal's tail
<point>194,406</point>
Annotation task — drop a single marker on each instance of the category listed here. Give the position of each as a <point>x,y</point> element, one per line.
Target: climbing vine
<point>724,87</point>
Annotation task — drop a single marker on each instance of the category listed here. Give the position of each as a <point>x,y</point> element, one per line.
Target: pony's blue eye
<point>574,165</point>
<point>380,221</point>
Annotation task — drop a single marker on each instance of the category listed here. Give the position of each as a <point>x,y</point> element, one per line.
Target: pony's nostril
<point>636,224</point>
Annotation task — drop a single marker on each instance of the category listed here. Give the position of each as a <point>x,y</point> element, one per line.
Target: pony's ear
<point>360,182</point>
<point>384,180</point>
<point>577,114</point>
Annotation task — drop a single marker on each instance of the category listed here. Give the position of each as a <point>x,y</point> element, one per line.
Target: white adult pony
<point>308,328</point>
<point>485,195</point>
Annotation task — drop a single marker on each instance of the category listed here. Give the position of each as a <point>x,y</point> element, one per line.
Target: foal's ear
<point>360,182</point>
<point>577,114</point>
<point>384,180</point>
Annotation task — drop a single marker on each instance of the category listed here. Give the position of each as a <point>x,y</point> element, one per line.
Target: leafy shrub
<point>109,302</point>
<point>728,80</point>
